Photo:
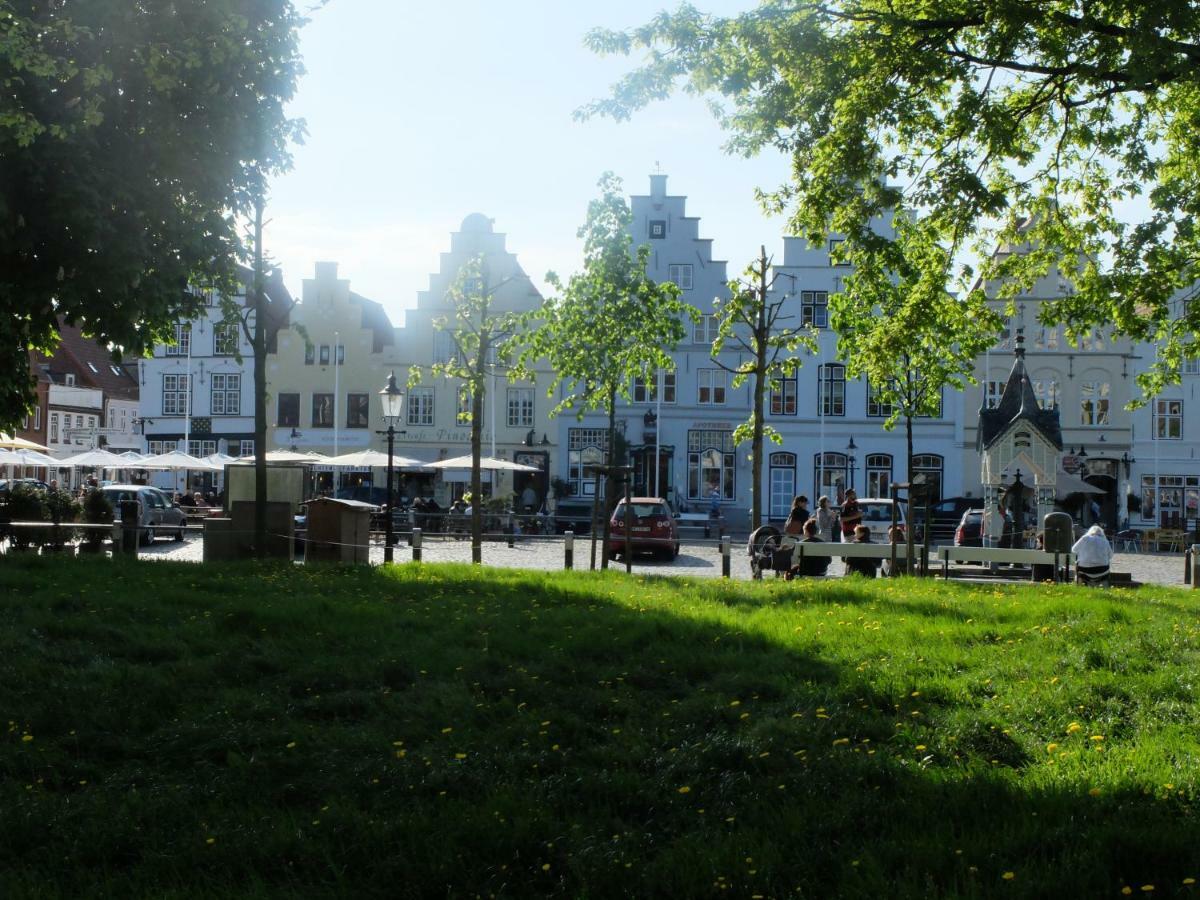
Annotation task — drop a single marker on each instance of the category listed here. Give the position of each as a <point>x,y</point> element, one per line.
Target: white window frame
<point>176,394</point>
<point>420,406</point>
<point>711,387</point>
<point>519,403</point>
<point>681,275</point>
<point>225,394</point>
<point>1167,422</point>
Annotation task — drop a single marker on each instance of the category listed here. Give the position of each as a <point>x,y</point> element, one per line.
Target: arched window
<point>710,463</point>
<point>1046,387</point>
<point>931,466</point>
<point>829,475</point>
<point>1093,402</point>
<point>879,474</point>
<point>782,475</point>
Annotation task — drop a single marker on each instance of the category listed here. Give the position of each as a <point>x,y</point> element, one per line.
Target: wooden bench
<point>700,521</point>
<point>1061,562</point>
<point>849,550</point>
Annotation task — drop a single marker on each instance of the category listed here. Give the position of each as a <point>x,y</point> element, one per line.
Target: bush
<point>97,510</point>
<point>28,504</point>
<point>62,508</point>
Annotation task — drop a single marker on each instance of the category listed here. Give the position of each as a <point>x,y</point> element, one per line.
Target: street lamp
<point>392,400</point>
<point>852,460</point>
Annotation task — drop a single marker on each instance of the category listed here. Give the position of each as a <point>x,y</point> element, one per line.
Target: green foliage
<point>424,729</point>
<point>1068,126</point>
<point>28,504</point>
<point>97,510</point>
<point>133,138</point>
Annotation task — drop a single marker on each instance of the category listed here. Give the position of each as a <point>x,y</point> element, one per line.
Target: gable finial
<point>1019,344</point>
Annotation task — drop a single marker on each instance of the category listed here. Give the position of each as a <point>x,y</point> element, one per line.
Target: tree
<point>898,327</point>
<point>134,137</point>
<point>752,321</point>
<point>608,324</point>
<point>481,349</point>
<point>1075,120</point>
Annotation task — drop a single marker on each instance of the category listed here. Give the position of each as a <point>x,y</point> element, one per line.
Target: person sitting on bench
<point>896,536</point>
<point>861,565</point>
<point>811,565</point>
<point>1093,555</point>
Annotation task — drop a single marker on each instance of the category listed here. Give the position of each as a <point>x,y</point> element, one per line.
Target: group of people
<point>821,526</point>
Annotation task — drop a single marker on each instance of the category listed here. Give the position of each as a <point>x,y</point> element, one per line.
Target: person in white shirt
<point>1093,552</point>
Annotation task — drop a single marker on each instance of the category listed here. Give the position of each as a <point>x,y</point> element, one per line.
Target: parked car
<point>7,484</point>
<point>652,528</point>
<point>367,493</point>
<point>969,532</point>
<point>877,516</point>
<point>156,512</point>
<point>944,516</point>
<point>573,515</point>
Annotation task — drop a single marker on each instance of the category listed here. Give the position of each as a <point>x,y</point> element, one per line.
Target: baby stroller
<point>770,550</point>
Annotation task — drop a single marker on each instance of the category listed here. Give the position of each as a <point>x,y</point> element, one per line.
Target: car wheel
<point>673,552</point>
<point>148,536</point>
<point>179,535</point>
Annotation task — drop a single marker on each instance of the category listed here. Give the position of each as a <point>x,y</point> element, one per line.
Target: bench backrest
<point>853,550</point>
<point>1003,555</point>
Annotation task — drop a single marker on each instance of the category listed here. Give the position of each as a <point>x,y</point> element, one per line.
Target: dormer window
<point>1022,440</point>
<point>658,229</point>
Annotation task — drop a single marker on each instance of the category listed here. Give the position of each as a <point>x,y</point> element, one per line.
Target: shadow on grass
<point>445,730</point>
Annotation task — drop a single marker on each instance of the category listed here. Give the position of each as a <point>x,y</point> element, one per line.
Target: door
<point>781,485</point>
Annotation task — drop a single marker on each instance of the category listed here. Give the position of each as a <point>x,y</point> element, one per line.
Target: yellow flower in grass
<point>1009,876</point>
<point>1074,727</point>
<point>1050,748</point>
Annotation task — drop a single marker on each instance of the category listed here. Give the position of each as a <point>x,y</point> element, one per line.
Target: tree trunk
<point>260,389</point>
<point>611,460</point>
<point>477,388</point>
<point>761,337</point>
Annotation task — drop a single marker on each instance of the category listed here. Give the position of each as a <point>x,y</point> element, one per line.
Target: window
<point>420,406</point>
<point>322,410</point>
<point>646,391</point>
<point>680,274</point>
<point>876,407</point>
<point>1046,391</point>
<point>814,309</point>
<point>1093,403</point>
<point>704,330</point>
<point>1045,339</point>
<point>879,474</point>
<point>175,395</point>
<point>225,339</point>
<point>930,465</point>
<point>937,411</point>
<point>226,395</point>
<point>658,229</point>
<point>710,463</point>
<point>69,379</point>
<point>340,354</point>
<point>1191,366</point>
<point>830,471</point>
<point>358,410</point>
<point>310,354</point>
<point>201,448</point>
<point>288,410</point>
<point>157,447</point>
<point>520,407</point>
<point>444,350</point>
<point>181,344</point>
<point>323,354</point>
<point>831,389</point>
<point>462,415</point>
<point>91,365</point>
<point>1168,420</point>
<point>783,397</point>
<point>37,418</point>
<point>54,428</point>
<point>246,447</point>
<point>711,386</point>
<point>585,447</point>
<point>993,391</point>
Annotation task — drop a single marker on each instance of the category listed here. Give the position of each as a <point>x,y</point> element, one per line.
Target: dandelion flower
<point>1009,876</point>
<point>1074,727</point>
<point>460,756</point>
<point>291,744</point>
<point>685,790</point>
<point>26,738</point>
<point>1050,748</point>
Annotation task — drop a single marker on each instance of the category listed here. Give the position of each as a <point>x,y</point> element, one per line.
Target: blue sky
<point>420,113</point>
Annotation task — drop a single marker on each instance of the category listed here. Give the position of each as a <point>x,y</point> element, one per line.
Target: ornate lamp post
<point>392,400</point>
<point>851,459</point>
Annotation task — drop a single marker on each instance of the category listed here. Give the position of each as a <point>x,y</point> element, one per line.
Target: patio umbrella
<point>376,459</point>
<point>488,463</point>
<point>12,442</point>
<point>97,459</point>
<point>288,456</point>
<point>28,458</point>
<point>1065,483</point>
<point>177,459</point>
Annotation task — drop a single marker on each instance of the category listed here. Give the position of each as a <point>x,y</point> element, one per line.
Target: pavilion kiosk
<point>1020,445</point>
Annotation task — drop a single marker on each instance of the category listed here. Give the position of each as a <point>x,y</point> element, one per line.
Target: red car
<point>653,528</point>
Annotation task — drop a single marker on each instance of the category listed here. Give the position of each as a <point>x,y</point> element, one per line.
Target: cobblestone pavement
<point>697,559</point>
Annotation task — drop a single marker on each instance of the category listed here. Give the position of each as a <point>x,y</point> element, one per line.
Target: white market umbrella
<point>288,456</point>
<point>488,463</point>
<point>12,442</point>
<point>1065,483</point>
<point>220,459</point>
<point>376,459</point>
<point>177,459</point>
<point>97,459</point>
<point>28,458</point>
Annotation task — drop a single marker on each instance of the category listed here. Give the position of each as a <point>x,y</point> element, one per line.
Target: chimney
<point>658,187</point>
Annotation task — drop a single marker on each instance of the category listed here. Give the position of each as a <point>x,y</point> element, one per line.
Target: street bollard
<point>569,550</point>
<point>725,556</point>
<point>416,544</point>
<point>1188,556</point>
<point>510,530</point>
<point>1195,566</point>
<point>129,528</point>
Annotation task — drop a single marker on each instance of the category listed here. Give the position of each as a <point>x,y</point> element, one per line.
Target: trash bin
<point>1059,533</point>
<point>338,531</point>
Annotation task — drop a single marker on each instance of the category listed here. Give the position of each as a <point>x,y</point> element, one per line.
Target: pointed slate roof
<point>1018,402</point>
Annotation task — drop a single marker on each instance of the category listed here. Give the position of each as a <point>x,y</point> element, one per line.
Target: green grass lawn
<point>184,730</point>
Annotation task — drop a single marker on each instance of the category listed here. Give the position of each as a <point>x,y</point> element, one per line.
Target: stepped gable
<point>1018,403</point>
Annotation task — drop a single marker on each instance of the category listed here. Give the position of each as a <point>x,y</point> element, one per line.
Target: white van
<point>156,513</point>
<point>877,516</point>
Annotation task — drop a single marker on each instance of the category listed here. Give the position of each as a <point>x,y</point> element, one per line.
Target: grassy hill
<point>183,730</point>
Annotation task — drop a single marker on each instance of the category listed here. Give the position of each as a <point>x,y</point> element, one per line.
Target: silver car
<point>156,513</point>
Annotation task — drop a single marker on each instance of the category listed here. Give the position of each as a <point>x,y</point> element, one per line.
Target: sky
<point>421,113</point>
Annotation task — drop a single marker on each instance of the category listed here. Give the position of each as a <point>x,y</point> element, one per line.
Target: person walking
<point>826,519</point>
